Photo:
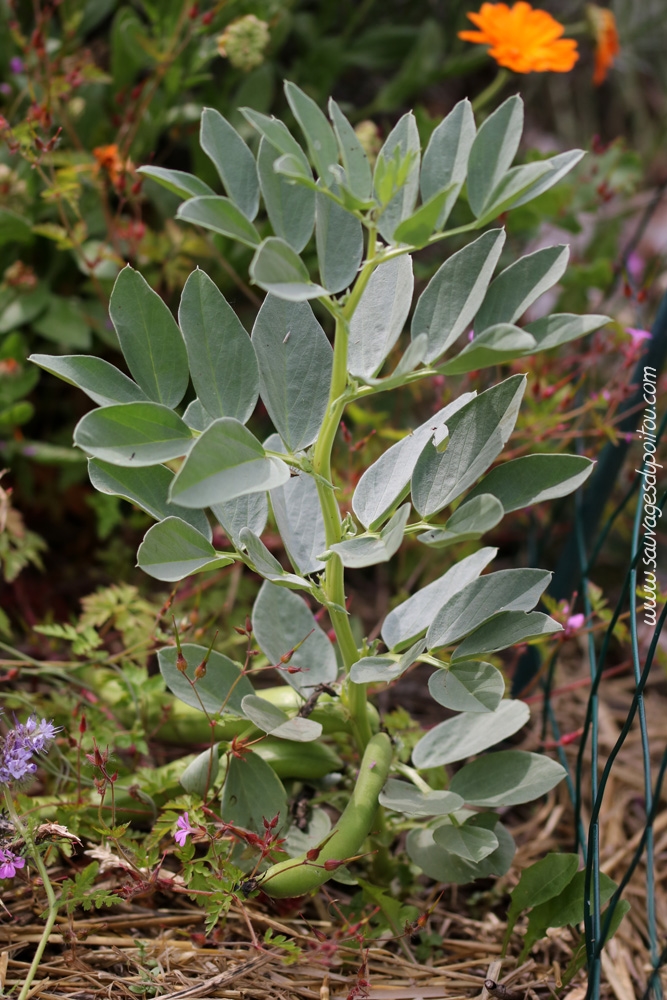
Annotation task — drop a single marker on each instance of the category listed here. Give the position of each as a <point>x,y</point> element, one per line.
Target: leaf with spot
<point>295,361</point>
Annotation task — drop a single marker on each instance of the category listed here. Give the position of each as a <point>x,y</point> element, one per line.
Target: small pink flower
<point>635,266</point>
<point>573,624</point>
<point>9,863</point>
<point>471,334</point>
<point>637,336</point>
<point>183,829</point>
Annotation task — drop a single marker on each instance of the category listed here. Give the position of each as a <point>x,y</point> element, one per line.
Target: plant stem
<point>48,888</point>
<point>490,92</point>
<point>334,583</point>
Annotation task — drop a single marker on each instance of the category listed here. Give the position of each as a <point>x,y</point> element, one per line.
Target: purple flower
<point>5,89</point>
<point>9,862</point>
<point>16,64</point>
<point>636,336</point>
<point>183,829</point>
<point>19,745</point>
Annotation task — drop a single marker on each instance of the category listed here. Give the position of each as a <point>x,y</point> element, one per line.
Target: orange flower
<point>522,39</point>
<point>606,39</point>
<point>109,160</point>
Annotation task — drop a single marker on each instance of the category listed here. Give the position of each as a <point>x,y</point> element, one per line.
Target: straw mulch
<point>155,946</point>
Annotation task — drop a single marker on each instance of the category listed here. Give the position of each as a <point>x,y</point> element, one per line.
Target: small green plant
<point>555,892</point>
<point>173,439</point>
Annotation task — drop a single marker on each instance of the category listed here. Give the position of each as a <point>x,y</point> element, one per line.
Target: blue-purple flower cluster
<point>19,746</point>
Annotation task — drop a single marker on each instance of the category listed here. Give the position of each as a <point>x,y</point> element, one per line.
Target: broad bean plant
<point>191,465</point>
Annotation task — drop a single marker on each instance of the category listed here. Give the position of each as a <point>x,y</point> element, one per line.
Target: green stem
<point>334,584</point>
<point>496,85</point>
<point>24,832</point>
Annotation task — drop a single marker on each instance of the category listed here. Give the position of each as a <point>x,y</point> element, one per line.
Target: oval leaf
<point>465,735</point>
<point>387,480</point>
<point>402,141</point>
<point>295,361</point>
<point>290,207</point>
<point>496,344</point>
<point>220,691</point>
<point>172,549</point>
<point>298,515</point>
<point>472,843</point>
<point>448,304</point>
<point>104,383</point>
<point>506,778</point>
<point>316,129</point>
<point>146,487</point>
<point>232,159</point>
<point>520,284</point>
<point>442,866</point>
<point>468,686</point>
<point>401,796</point>
<point>506,630</point>
<point>477,434</point>
<point>272,720</point>
<point>180,183</point>
<point>506,590</point>
<point>277,268</point>
<point>485,513</point>
<point>227,461</point>
<point>222,360</point>
<point>533,479</point>
<point>221,216</point>
<point>252,793</point>
<point>492,152</point>
<point>409,620</point>
<point>149,338</point>
<point>133,434</point>
<point>378,320</point>
<point>355,160</point>
<point>446,158</point>
<point>280,621</point>
<point>367,550</point>
<point>340,244</point>
<point>248,511</point>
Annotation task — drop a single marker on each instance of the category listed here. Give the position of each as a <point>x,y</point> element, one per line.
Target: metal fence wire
<point>588,779</point>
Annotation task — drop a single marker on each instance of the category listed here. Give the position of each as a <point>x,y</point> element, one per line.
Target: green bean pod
<point>297,876</point>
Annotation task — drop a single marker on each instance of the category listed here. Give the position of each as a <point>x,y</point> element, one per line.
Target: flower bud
<point>243,42</point>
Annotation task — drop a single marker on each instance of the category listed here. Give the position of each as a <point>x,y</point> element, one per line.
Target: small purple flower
<point>16,64</point>
<point>9,862</point>
<point>6,89</point>
<point>637,336</point>
<point>40,734</point>
<point>19,745</point>
<point>183,829</point>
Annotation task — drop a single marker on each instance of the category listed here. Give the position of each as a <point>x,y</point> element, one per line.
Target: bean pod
<point>297,876</point>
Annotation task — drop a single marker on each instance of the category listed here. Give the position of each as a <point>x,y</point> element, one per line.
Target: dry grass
<point>155,946</point>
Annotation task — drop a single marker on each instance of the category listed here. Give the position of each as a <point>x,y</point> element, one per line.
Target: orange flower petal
<point>522,39</point>
<point>607,42</point>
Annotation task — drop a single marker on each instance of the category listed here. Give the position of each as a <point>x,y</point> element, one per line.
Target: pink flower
<point>183,829</point>
<point>9,862</point>
<point>573,624</point>
<point>636,336</point>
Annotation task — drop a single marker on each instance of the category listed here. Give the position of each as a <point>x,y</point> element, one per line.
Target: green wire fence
<point>569,577</point>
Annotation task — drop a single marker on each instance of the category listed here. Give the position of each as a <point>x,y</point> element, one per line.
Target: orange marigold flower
<point>607,45</point>
<point>108,159</point>
<point>522,39</point>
